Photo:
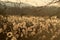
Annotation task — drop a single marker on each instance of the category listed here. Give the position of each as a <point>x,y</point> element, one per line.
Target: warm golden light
<point>32,2</point>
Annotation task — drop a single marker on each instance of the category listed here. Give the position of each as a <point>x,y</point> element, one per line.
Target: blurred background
<point>29,19</point>
<point>30,7</point>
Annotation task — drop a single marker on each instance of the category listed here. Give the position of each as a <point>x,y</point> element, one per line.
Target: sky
<point>32,2</point>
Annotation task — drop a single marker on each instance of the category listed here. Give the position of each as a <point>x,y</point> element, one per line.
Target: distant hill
<point>36,11</point>
<point>41,11</point>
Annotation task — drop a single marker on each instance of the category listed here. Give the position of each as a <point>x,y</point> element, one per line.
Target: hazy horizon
<point>32,2</point>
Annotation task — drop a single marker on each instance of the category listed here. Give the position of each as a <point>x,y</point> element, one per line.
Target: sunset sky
<point>32,2</point>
